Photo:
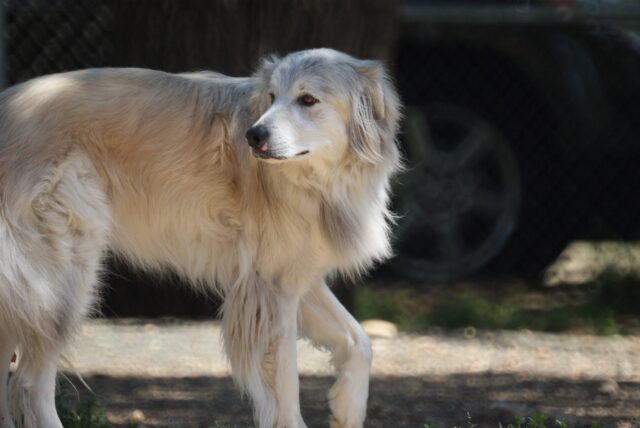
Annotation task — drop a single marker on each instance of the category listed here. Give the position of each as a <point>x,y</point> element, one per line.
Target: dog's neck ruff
<point>349,203</point>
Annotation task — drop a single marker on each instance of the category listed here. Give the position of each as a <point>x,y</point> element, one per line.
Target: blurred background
<point>519,208</point>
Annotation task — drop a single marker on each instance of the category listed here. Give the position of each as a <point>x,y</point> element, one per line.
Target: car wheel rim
<point>460,196</point>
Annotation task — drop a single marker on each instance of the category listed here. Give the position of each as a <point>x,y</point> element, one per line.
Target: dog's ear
<point>259,101</point>
<point>375,112</point>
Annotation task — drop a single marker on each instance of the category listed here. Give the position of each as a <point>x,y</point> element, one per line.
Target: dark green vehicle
<point>522,132</point>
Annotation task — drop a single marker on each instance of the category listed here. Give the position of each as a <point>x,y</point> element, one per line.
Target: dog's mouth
<point>266,154</point>
<point>263,152</point>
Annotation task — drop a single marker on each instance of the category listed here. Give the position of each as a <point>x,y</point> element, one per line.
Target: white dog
<point>156,167</point>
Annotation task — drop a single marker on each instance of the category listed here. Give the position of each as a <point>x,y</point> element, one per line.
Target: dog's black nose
<point>257,135</point>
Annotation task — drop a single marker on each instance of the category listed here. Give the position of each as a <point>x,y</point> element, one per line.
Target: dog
<point>256,188</point>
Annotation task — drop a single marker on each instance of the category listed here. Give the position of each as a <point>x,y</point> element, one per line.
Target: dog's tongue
<point>264,147</point>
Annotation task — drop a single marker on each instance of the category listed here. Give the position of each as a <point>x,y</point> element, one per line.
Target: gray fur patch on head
<point>259,100</point>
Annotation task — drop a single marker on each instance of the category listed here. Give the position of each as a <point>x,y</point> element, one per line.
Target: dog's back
<point>158,146</point>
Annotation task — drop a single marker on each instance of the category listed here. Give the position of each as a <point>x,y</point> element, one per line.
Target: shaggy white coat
<point>156,168</point>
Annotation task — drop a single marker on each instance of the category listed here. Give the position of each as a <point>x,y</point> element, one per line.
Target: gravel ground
<point>176,374</point>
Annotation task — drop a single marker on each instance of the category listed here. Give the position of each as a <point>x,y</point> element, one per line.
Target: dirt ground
<point>175,373</point>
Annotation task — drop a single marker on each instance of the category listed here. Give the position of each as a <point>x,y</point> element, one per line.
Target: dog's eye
<point>272,97</point>
<point>307,100</point>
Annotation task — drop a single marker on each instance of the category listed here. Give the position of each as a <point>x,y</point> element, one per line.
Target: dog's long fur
<point>156,168</point>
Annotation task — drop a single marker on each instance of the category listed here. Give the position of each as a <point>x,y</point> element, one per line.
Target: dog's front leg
<point>327,323</point>
<point>260,332</point>
<point>280,367</point>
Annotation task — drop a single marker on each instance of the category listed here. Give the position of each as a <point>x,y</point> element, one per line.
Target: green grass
<point>610,301</point>
<point>88,414</point>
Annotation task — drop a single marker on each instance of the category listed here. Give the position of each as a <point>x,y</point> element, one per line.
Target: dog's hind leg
<point>53,285</point>
<point>328,324</point>
<point>7,348</point>
<point>260,332</point>
<point>35,389</point>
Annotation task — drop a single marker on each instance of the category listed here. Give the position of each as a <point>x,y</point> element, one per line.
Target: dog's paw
<point>348,401</point>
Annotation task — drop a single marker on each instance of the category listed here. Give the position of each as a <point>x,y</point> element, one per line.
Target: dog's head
<point>321,103</point>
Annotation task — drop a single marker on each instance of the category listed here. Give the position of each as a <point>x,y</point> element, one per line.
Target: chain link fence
<point>43,37</point>
<point>522,119</point>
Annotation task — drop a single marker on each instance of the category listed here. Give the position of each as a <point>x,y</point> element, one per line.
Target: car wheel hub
<point>461,195</point>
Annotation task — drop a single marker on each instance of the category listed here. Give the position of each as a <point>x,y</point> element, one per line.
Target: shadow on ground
<point>394,402</point>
